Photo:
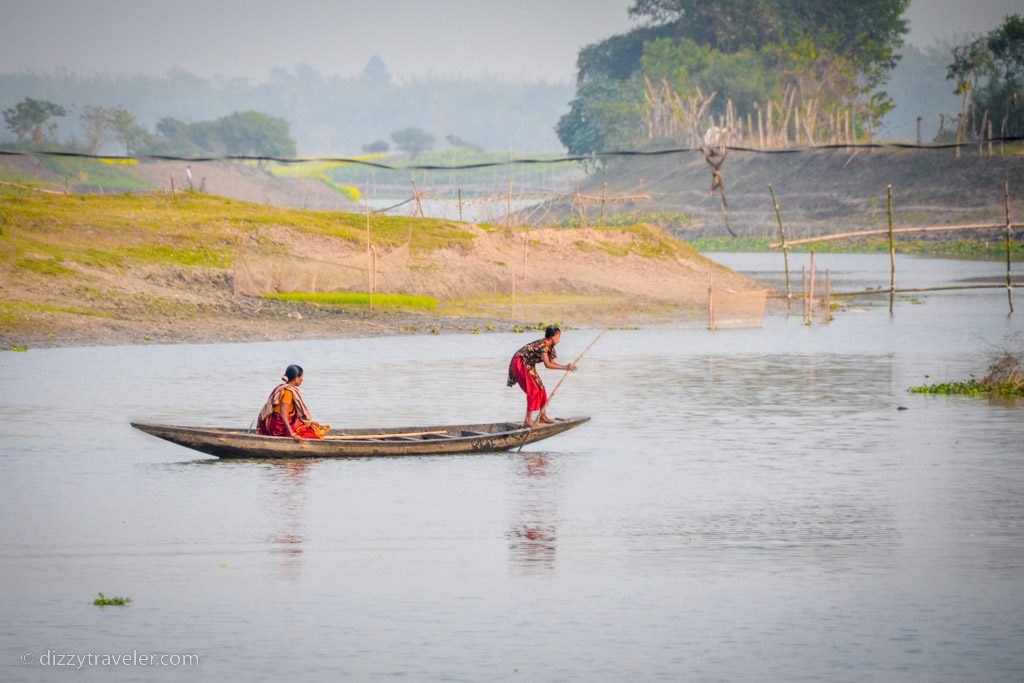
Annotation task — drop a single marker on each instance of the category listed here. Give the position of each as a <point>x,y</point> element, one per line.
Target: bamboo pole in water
<point>896,231</point>
<point>803,285</point>
<point>810,296</point>
<point>1009,230</point>
<point>892,250</point>
<point>782,235</point>
<point>460,204</point>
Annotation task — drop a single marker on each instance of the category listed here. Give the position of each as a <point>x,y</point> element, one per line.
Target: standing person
<point>285,413</point>
<point>522,370</point>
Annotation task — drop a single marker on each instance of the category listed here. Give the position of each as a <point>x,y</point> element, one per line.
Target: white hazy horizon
<point>526,40</point>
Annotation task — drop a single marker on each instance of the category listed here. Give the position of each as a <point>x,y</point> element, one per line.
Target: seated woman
<point>285,413</point>
<point>522,370</point>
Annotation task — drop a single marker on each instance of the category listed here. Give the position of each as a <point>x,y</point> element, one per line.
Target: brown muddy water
<point>745,505</point>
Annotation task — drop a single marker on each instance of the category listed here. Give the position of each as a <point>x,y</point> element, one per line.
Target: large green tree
<point>989,75</point>
<point>738,54</point>
<point>413,140</point>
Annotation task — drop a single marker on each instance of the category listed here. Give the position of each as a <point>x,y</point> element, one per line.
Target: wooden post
<point>67,190</point>
<point>460,204</point>
<point>369,258</point>
<point>416,195</point>
<point>604,197</point>
<point>803,291</point>
<point>919,119</point>
<point>711,298</point>
<point>1009,230</point>
<point>785,250</point>
<point>373,271</point>
<point>172,185</point>
<point>508,206</point>
<point>525,242</point>
<point>892,250</point>
<point>810,295</point>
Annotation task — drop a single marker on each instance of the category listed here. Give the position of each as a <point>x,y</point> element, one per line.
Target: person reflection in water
<point>522,370</point>
<point>285,413</point>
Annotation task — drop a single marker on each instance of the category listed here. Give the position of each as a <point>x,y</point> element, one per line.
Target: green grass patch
<point>93,172</point>
<point>11,308</point>
<point>975,248</point>
<point>358,299</point>
<point>1004,379</point>
<point>44,266</point>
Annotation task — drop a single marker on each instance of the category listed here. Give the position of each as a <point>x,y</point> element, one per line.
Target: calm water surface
<point>745,505</point>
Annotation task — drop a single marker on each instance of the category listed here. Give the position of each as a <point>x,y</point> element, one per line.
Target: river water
<point>745,505</point>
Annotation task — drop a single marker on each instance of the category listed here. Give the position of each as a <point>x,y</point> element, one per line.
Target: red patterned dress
<point>522,370</point>
<point>270,423</point>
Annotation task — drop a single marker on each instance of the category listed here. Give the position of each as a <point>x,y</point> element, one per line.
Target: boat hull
<point>361,443</point>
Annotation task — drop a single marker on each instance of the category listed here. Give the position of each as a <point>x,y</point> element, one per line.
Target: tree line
<point>772,72</point>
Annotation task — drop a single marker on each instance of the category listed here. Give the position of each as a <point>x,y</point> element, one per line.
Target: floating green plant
<point>1005,379</point>
<point>103,600</point>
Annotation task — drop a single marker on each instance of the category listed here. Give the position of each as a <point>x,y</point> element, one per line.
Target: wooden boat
<point>362,443</point>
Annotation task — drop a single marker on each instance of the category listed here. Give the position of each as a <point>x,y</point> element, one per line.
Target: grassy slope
<point>78,255</point>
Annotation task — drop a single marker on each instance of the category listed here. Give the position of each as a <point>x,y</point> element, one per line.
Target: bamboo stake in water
<point>785,251</point>
<point>460,204</point>
<point>810,296</point>
<point>1009,230</point>
<point>892,251</point>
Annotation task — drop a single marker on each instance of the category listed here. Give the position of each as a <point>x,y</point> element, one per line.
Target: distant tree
<point>97,126</point>
<point>30,119</point>
<point>413,140</point>
<point>456,141</point>
<point>126,128</point>
<point>376,147</point>
<point>989,75</point>
<point>376,72</point>
<point>253,133</point>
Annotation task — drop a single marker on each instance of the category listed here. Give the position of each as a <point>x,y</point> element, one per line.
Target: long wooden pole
<point>1009,230</point>
<point>896,231</point>
<point>810,296</point>
<point>892,251</point>
<point>782,235</point>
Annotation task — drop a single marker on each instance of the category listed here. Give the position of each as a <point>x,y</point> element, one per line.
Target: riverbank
<point>115,269</point>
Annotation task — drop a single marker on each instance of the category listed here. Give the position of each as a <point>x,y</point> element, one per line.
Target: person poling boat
<point>286,414</point>
<point>522,370</point>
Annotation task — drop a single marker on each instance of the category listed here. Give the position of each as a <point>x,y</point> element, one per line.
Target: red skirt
<point>274,426</point>
<point>536,395</point>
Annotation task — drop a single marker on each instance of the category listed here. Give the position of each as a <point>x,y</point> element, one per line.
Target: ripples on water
<point>745,504</point>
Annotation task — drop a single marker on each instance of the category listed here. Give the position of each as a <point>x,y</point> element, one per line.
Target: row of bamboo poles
<point>1007,227</point>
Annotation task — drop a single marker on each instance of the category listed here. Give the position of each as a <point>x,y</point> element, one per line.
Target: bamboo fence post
<point>803,284</point>
<point>604,198</point>
<point>416,196</point>
<point>172,185</point>
<point>711,298</point>
<point>460,204</point>
<point>785,250</point>
<point>369,257</point>
<point>508,206</point>
<point>1009,230</point>
<point>525,242</point>
<point>373,279</point>
<point>892,250</point>
<point>810,295</point>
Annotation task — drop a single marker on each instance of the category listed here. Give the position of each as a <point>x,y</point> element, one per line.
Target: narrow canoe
<point>363,442</point>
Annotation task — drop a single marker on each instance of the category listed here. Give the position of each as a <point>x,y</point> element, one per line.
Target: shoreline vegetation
<point>1004,379</point>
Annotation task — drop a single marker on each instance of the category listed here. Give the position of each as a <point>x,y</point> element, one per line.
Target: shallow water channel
<point>745,505</point>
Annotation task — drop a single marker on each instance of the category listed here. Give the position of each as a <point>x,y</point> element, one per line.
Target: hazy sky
<point>528,39</point>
